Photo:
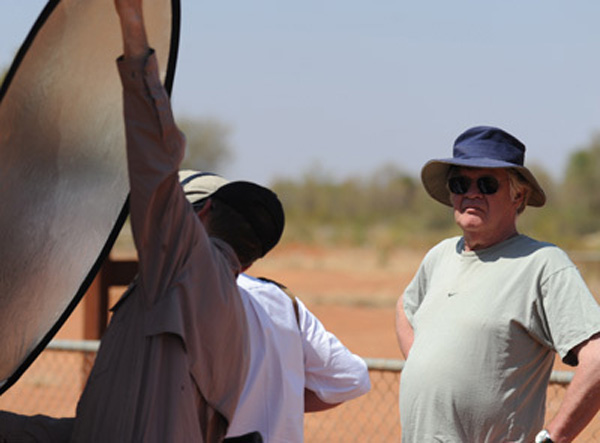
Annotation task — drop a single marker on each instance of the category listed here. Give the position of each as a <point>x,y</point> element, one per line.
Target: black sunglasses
<point>460,184</point>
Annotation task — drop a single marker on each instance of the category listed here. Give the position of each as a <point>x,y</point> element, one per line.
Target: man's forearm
<point>582,399</point>
<point>135,40</point>
<point>312,403</point>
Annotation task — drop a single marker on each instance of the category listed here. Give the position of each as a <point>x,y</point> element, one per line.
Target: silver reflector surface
<point>63,172</point>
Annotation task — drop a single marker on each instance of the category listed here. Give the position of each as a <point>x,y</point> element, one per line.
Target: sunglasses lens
<point>487,185</point>
<point>459,185</point>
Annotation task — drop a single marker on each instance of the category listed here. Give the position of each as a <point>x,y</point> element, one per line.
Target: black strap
<point>252,437</point>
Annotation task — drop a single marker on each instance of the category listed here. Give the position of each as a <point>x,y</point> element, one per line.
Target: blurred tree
<point>543,223</point>
<point>580,196</point>
<point>207,143</point>
<point>391,191</point>
<point>388,205</point>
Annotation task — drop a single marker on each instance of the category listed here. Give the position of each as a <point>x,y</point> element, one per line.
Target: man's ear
<point>520,199</point>
<point>203,212</point>
<point>518,196</point>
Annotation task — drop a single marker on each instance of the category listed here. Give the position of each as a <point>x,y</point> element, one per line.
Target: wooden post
<point>114,272</point>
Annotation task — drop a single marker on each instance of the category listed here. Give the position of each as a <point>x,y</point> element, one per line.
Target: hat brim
<point>198,185</point>
<point>435,174</point>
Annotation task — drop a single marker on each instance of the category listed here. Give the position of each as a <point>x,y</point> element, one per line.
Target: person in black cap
<point>487,311</point>
<point>296,365</point>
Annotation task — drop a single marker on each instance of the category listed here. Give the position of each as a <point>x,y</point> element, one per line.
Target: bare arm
<point>404,330</point>
<point>582,399</point>
<point>135,40</point>
<point>312,403</point>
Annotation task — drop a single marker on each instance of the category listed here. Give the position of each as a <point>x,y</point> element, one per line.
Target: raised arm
<point>155,147</point>
<point>582,399</point>
<point>135,40</point>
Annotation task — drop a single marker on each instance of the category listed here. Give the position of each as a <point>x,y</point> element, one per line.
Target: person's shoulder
<point>540,250</point>
<point>532,245</point>
<point>263,286</point>
<point>268,292</point>
<point>441,252</point>
<point>246,281</point>
<point>250,282</point>
<point>450,242</point>
<point>445,246</point>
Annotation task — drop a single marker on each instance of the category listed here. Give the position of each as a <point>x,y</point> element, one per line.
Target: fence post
<point>114,272</point>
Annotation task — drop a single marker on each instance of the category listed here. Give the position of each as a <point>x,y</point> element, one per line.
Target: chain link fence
<point>53,384</point>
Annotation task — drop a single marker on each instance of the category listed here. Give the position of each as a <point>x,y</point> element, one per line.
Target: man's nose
<point>473,190</point>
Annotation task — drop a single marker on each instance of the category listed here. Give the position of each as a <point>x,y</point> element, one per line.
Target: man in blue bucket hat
<point>487,311</point>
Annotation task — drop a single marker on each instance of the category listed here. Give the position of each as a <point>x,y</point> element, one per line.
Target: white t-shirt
<point>288,354</point>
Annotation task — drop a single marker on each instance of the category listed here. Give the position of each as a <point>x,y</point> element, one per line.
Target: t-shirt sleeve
<point>413,294</point>
<point>415,291</point>
<point>572,313</point>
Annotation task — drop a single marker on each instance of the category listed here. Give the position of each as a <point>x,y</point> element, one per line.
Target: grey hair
<point>518,185</point>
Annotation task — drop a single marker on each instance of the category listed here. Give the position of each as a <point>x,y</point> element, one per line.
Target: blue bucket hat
<point>481,147</point>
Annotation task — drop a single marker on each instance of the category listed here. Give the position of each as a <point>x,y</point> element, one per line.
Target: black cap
<point>259,206</point>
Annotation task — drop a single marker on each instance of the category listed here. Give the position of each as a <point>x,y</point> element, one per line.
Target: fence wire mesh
<point>53,384</point>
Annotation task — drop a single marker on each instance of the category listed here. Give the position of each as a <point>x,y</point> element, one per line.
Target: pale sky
<point>353,85</point>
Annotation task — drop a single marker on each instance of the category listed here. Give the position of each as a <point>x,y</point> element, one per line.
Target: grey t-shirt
<point>486,326</point>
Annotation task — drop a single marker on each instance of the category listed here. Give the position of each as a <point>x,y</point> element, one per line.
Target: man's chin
<point>469,221</point>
